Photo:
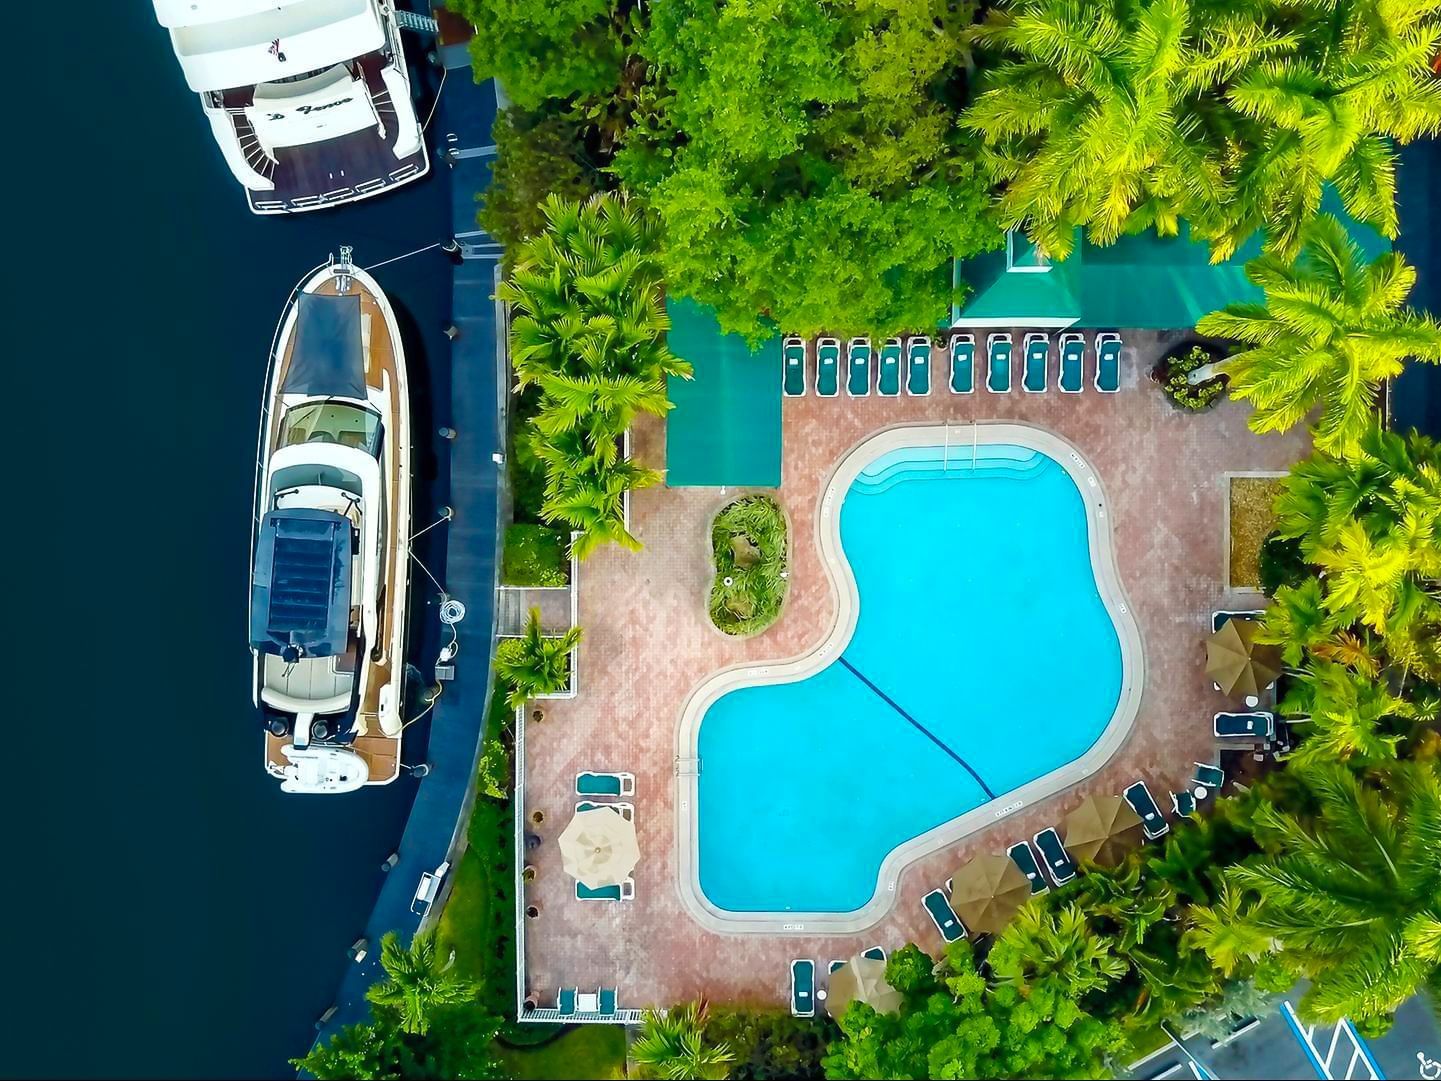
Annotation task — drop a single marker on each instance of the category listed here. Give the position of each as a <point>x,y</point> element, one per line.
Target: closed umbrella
<point>987,892</point>
<point>598,848</point>
<point>862,979</point>
<point>1102,830</point>
<point>1240,665</point>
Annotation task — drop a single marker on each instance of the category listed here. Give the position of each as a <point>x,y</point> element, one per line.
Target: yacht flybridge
<point>331,543</point>
<point>309,100</point>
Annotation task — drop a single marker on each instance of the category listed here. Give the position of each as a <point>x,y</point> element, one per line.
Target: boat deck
<point>381,754</point>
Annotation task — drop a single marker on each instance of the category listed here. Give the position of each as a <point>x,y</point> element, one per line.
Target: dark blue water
<point>1416,396</point>
<point>167,911</point>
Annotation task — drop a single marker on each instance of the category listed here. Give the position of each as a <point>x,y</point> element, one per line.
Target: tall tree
<point>805,160</point>
<point>1352,892</point>
<point>673,1046</point>
<point>418,981</point>
<point>1350,717</point>
<point>1331,329</point>
<point>1043,945</point>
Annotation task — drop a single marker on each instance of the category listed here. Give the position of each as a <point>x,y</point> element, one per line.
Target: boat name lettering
<point>306,110</point>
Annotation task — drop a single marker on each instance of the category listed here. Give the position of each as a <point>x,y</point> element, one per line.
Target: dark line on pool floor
<point>888,700</point>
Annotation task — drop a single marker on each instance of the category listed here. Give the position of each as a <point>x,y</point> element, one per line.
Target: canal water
<point>168,912</point>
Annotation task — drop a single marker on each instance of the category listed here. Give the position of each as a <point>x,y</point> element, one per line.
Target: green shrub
<point>1282,564</point>
<point>749,547</point>
<point>534,556</point>
<point>1174,372</point>
<point>769,1043</point>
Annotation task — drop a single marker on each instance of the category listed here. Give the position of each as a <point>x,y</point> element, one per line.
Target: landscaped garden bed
<point>1176,371</point>
<point>750,548</point>
<point>534,556</point>
<point>1252,503</point>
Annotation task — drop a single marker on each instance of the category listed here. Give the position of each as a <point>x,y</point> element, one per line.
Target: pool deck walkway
<point>648,644</point>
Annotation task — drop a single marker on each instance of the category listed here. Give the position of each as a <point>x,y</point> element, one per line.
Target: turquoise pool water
<point>983,659</point>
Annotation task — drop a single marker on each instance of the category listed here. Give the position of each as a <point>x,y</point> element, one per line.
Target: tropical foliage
<point>417,981</point>
<point>535,663</point>
<point>806,161</point>
<point>537,155</point>
<point>588,332</point>
<point>956,1024</point>
<point>1117,117</point>
<point>673,1046</point>
<point>749,546</point>
<point>1331,329</point>
<point>1350,890</point>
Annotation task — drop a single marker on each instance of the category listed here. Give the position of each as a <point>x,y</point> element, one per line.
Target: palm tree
<point>535,663</point>
<point>1044,945</point>
<point>1222,932</point>
<point>1331,329</point>
<point>1347,713</point>
<point>418,981</point>
<point>1091,121</point>
<point>1352,893</point>
<point>673,1046</point>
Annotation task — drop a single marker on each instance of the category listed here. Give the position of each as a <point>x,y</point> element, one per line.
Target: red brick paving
<point>648,644</point>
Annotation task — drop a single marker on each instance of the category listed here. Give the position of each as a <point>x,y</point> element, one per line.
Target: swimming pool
<point>984,654</point>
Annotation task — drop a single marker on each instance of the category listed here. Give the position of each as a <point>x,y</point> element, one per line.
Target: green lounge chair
<point>793,359</point>
<point>828,367</point>
<point>1183,803</point>
<point>1220,619</point>
<point>1108,363</point>
<point>605,784</point>
<point>943,916</point>
<point>1152,821</point>
<point>963,364</point>
<point>998,366</point>
<point>565,1001</point>
<point>918,367</point>
<point>607,1001</point>
<point>623,892</point>
<point>1038,359</point>
<point>1024,858</point>
<point>1209,775</point>
<point>890,377</point>
<point>1254,726</point>
<point>1073,363</point>
<point>625,810</point>
<point>803,988</point>
<point>1058,860</point>
<point>858,367</point>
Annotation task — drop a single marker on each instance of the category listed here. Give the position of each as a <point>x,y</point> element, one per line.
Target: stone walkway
<point>648,644</point>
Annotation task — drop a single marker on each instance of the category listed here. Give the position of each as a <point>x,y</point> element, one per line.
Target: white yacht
<point>309,100</point>
<point>331,543</point>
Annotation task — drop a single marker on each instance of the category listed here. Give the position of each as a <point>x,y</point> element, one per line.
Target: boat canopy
<point>328,357</point>
<point>300,588</point>
<point>224,44</point>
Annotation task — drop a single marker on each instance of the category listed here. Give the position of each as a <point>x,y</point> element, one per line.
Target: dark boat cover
<point>300,589</point>
<point>327,357</point>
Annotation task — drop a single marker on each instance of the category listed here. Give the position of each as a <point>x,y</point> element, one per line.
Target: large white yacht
<point>309,100</point>
<point>331,546</point>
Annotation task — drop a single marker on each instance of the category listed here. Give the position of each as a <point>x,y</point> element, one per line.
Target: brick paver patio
<point>648,644</point>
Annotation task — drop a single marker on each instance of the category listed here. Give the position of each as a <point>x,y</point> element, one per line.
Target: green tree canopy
<point>418,981</point>
<point>805,161</point>
<point>535,663</point>
<point>1351,893</point>
<point>954,1025</point>
<point>673,1046</point>
<point>458,1044</point>
<point>537,155</point>
<point>540,52</point>
<point>1331,329</point>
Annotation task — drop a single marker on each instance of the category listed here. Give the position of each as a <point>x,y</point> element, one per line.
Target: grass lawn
<point>585,1052</point>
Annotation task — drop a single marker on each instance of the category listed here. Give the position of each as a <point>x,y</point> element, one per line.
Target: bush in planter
<point>1282,564</point>
<point>535,663</point>
<point>534,555</point>
<point>1174,374</point>
<point>749,547</point>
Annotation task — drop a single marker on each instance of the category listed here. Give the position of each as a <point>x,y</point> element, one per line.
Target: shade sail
<point>1240,665</point>
<point>598,848</point>
<point>987,892</point>
<point>1102,830</point>
<point>328,357</point>
<point>862,979</point>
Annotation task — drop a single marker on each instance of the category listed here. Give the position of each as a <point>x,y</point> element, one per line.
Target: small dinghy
<point>320,769</point>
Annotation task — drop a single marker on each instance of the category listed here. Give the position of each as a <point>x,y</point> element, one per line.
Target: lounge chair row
<point>1059,862</point>
<point>572,1000</point>
<point>1207,778</point>
<point>908,363</point>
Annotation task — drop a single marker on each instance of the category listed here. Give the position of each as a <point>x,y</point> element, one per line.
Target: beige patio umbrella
<point>987,892</point>
<point>1241,666</point>
<point>1102,830</point>
<point>863,979</point>
<point>598,848</point>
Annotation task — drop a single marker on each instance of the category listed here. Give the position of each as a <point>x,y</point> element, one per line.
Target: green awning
<point>725,429</point>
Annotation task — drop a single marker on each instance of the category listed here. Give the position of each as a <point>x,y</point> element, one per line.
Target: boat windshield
<point>332,422</point>
<point>322,476</point>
